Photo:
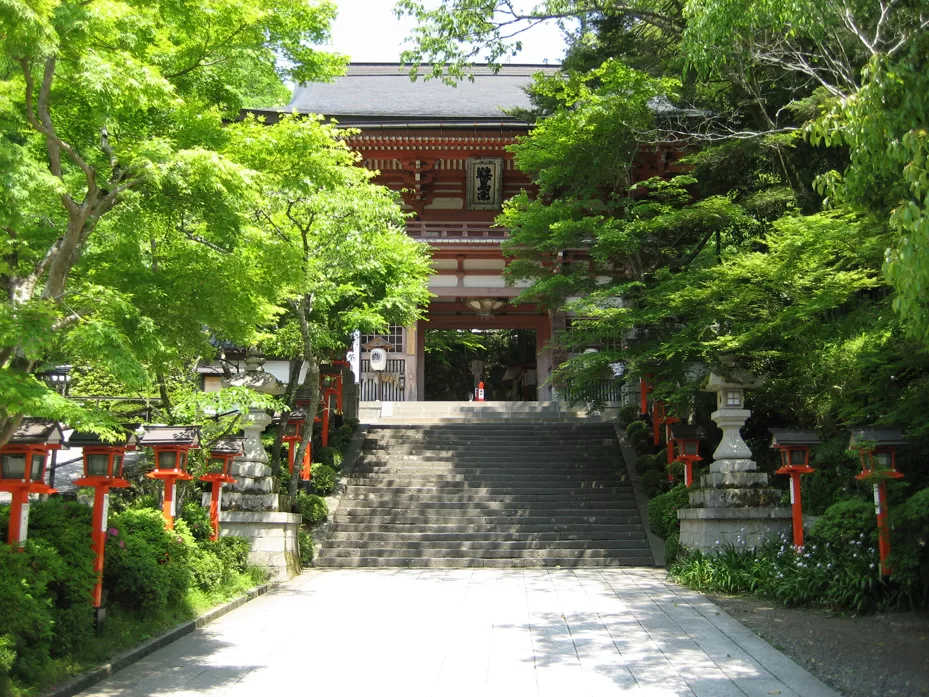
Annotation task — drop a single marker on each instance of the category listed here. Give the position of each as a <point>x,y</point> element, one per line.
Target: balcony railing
<point>426,230</point>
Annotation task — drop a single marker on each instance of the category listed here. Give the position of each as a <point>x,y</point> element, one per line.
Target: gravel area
<point>860,656</point>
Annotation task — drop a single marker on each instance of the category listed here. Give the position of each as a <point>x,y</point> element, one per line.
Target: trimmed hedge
<point>313,508</point>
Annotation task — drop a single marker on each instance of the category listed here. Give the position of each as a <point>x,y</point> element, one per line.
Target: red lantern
<point>223,452</point>
<point>685,443</point>
<point>877,453</point>
<point>22,470</point>
<point>171,445</point>
<point>794,446</point>
<point>103,470</point>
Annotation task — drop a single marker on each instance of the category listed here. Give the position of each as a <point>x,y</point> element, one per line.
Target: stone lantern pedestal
<point>733,504</point>
<point>253,506</point>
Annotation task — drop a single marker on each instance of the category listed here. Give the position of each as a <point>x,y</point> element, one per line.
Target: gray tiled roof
<point>383,92</point>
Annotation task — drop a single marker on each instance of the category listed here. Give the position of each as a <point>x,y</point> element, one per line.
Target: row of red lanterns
<point>23,461</point>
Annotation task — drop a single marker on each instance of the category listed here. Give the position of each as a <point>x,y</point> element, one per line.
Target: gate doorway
<point>505,358</point>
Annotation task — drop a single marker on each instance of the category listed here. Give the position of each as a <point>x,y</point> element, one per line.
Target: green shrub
<point>845,522</point>
<point>329,456</point>
<point>324,479</point>
<point>638,433</point>
<point>910,547</point>
<point>662,512</point>
<point>629,413</point>
<point>341,437</point>
<point>643,463</point>
<point>145,567</point>
<point>313,508</point>
<point>198,520</point>
<point>654,482</point>
<point>233,551</point>
<point>206,568</point>
<point>306,548</point>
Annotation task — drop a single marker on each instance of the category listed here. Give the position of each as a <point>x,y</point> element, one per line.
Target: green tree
<point>121,219</point>
<point>335,243</point>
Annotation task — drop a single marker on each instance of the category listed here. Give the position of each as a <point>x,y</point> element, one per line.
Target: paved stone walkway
<point>478,632</point>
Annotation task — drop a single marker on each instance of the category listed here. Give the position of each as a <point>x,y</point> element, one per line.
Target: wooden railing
<point>425,230</point>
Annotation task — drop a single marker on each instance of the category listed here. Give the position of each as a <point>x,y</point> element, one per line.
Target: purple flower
<point>113,531</point>
<point>122,545</point>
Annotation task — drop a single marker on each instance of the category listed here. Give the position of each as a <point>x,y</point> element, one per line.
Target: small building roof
<point>383,94</point>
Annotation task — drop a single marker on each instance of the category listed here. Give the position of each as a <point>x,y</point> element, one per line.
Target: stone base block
<point>734,498</point>
<point>255,485</point>
<point>734,480</point>
<point>237,501</point>
<point>734,465</point>
<point>708,529</point>
<point>273,537</point>
<point>249,469</point>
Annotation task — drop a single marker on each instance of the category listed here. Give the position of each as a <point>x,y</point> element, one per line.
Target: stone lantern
<point>733,503</point>
<point>253,506</point>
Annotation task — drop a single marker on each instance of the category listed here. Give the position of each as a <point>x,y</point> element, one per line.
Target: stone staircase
<point>526,492</point>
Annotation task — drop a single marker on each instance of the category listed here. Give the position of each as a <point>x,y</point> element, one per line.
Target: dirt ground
<point>867,656</point>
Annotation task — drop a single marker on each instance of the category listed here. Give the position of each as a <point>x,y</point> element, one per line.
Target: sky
<point>368,31</point>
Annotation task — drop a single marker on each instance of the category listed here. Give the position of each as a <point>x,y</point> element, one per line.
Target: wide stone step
<point>481,546</point>
<point>419,519</point>
<point>378,538</point>
<point>453,563</point>
<point>450,490</point>
<point>364,507</point>
<point>510,528</point>
<point>502,430</point>
<point>458,442</point>
<point>486,481</point>
<point>363,496</point>
<point>458,553</point>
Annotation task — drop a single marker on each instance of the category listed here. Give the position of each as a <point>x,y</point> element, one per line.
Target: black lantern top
<point>230,445</point>
<point>686,432</point>
<point>879,437</point>
<point>172,436</point>
<point>38,432</point>
<point>85,439</point>
<point>793,437</point>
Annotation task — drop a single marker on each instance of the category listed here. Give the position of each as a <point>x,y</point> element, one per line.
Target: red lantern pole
<point>223,452</point>
<point>878,477</point>
<point>883,529</point>
<point>644,388</point>
<point>171,445</point>
<point>796,500</point>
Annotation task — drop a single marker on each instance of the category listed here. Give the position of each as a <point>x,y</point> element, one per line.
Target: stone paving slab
<point>475,632</point>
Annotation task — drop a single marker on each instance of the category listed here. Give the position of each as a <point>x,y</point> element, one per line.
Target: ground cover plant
<point>838,567</point>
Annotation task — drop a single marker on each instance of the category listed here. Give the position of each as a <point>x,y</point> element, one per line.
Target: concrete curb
<point>352,453</point>
<point>127,658</point>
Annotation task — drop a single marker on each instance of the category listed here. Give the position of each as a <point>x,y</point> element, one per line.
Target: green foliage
<point>910,547</point>
<point>638,434</point>
<point>145,567</point>
<point>330,456</point>
<point>307,551</point>
<point>324,479</point>
<point>839,578</point>
<point>117,196</point>
<point>340,439</point>
<point>233,551</point>
<point>45,589</point>
<point>844,523</point>
<point>198,520</point>
<point>662,512</point>
<point>313,508</point>
<point>206,567</point>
